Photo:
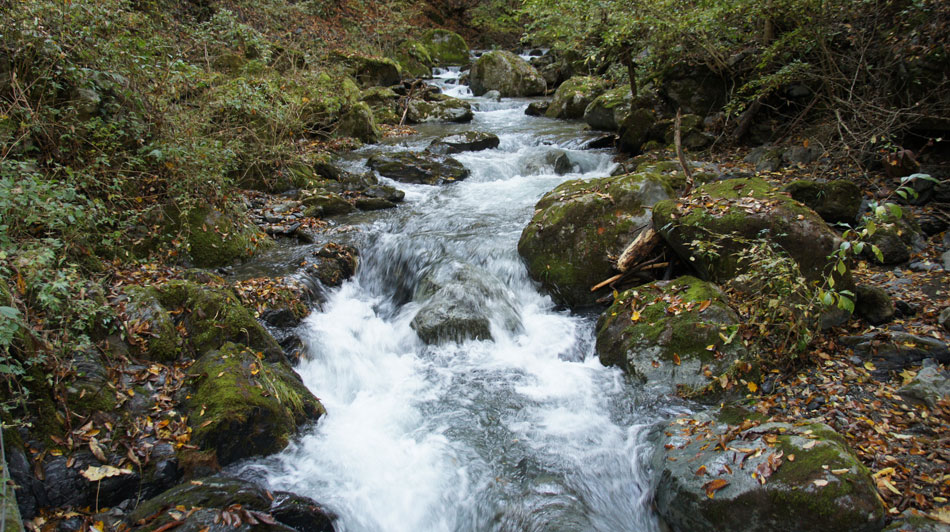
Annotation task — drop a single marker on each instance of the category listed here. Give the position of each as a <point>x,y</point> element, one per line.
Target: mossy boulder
<point>151,322</point>
<point>326,99</point>
<point>376,71</point>
<point>635,130</point>
<point>896,240</point>
<point>692,134</point>
<point>754,484</point>
<point>694,89</point>
<point>414,167</point>
<point>733,212</point>
<point>415,59</point>
<point>383,102</point>
<point>577,227</point>
<point>446,48</point>
<point>837,201</point>
<point>608,110</point>
<point>506,73</point>
<point>668,333</point>
<point>212,317</point>
<point>574,95</point>
<point>320,203</point>
<point>217,239</point>
<point>242,406</point>
<point>462,142</point>
<point>442,110</point>
<point>359,122</point>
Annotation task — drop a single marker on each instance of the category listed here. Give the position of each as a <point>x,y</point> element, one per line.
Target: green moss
<point>574,95</point>
<point>446,48</point>
<point>214,239</point>
<point>162,342</point>
<point>243,406</point>
<point>735,414</point>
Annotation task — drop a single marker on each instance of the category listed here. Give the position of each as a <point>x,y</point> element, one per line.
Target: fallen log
<point>639,249</point>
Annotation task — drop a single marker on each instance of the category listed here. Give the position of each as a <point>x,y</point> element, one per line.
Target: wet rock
<point>635,130</point>
<point>462,306</point>
<point>462,142</point>
<point>507,73</point>
<point>537,108</point>
<point>442,110</point>
<point>669,342</point>
<point>574,95</point>
<point>579,224</point>
<point>320,203</point>
<point>608,110</point>
<point>373,204</point>
<point>749,209</point>
<point>413,167</point>
<point>601,142</point>
<point>493,95</point>
<point>446,48</point>
<point>836,201</point>
<point>825,488</point>
<point>874,304</point>
<point>242,406</point>
<point>332,264</point>
<point>896,350</point>
<point>914,521</point>
<point>929,386</point>
<point>301,513</point>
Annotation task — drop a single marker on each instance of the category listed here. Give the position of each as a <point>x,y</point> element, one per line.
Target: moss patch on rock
<point>215,239</point>
<point>577,227</point>
<point>835,201</point>
<point>671,333</point>
<point>446,48</point>
<point>506,73</point>
<point>574,95</point>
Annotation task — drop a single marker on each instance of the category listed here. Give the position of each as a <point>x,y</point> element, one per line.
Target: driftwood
<point>679,154</point>
<point>405,111</point>
<point>639,249</point>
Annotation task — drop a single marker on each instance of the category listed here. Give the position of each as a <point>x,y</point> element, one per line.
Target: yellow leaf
<point>753,387</point>
<point>869,366</point>
<point>635,316</point>
<point>96,474</point>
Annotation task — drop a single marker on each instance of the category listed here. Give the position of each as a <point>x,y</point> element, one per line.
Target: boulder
<point>383,103</point>
<point>928,387</point>
<point>896,241</point>
<point>537,108</point>
<point>359,123</point>
<point>492,95</point>
<point>753,485</point>
<point>242,406</point>
<point>462,142</point>
<point>460,306</point>
<point>155,326</point>
<point>444,110</point>
<point>215,239</point>
<point>837,201</point>
<point>765,158</point>
<point>376,71</point>
<point>695,89</point>
<point>507,73</point>
<point>574,95</point>
<point>413,167</point>
<point>873,304</point>
<point>635,130</point>
<point>332,264</point>
<point>200,503</point>
<point>320,203</point>
<point>731,213</point>
<point>944,317</point>
<point>692,135</point>
<point>896,350</point>
<point>446,48</point>
<point>608,110</point>
<point>670,333</point>
<point>579,224</point>
<point>415,59</point>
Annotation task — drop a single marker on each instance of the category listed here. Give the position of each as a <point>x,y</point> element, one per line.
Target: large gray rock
<point>578,225</point>
<point>460,305</point>
<point>574,95</point>
<point>413,167</point>
<point>462,142</point>
<point>929,386</point>
<point>609,109</point>
<point>443,109</point>
<point>896,350</point>
<point>752,485</point>
<point>507,73</point>
<point>667,333</point>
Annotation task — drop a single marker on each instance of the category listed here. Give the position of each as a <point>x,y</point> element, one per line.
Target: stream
<point>523,432</point>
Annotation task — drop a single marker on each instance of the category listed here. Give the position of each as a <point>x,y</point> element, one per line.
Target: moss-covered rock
<point>215,239</point>
<point>413,167</point>
<point>462,142</point>
<point>415,59</point>
<point>446,48</point>
<point>915,521</point>
<point>375,71</point>
<point>635,130</point>
<point>754,485</point>
<point>574,95</point>
<point>577,227</point>
<point>837,201</point>
<point>444,110</point>
<point>608,110</point>
<point>242,405</point>
<point>326,99</point>
<point>507,73</point>
<point>320,203</point>
<point>668,333</point>
<point>214,316</point>
<point>359,123</point>
<point>383,102</point>
<point>694,89</point>
<point>151,324</point>
<point>896,241</point>
<point>719,219</point>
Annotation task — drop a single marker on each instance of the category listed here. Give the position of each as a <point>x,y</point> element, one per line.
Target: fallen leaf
<point>821,482</point>
<point>713,486</point>
<point>96,474</point>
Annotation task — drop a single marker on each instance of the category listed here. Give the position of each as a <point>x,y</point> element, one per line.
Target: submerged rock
<point>413,167</point>
<point>537,108</point>
<point>753,485</point>
<point>579,224</point>
<point>507,73</point>
<point>462,142</point>
<point>668,333</point>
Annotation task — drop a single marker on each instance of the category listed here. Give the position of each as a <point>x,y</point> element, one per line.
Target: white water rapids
<point>525,432</point>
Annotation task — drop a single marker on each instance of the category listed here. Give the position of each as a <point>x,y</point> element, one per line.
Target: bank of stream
<point>523,431</point>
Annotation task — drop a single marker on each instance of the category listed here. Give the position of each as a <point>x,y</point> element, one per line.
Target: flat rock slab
<point>419,168</point>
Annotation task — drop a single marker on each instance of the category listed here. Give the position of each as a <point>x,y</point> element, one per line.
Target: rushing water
<point>524,432</point>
